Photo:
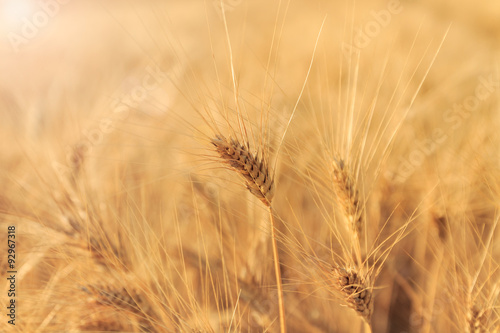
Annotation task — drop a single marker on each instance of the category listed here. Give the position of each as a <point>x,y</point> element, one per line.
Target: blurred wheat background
<point>376,121</point>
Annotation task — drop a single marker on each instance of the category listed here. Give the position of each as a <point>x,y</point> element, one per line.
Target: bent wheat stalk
<point>260,183</point>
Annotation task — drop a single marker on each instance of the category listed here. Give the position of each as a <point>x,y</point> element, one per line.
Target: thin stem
<point>278,273</point>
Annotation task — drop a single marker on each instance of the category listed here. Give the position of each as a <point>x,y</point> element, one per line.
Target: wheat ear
<point>351,286</point>
<point>253,169</point>
<point>478,320</point>
<point>123,299</point>
<point>347,193</point>
<point>260,183</point>
<point>354,288</point>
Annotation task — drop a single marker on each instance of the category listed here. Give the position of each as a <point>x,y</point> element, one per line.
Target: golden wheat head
<point>129,301</point>
<point>117,297</point>
<point>347,193</point>
<point>254,170</point>
<point>355,290</point>
<point>349,285</point>
<point>478,320</point>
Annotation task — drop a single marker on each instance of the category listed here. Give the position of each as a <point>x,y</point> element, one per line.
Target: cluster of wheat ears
<point>265,173</point>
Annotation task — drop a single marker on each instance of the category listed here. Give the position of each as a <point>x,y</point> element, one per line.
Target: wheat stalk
<point>260,183</point>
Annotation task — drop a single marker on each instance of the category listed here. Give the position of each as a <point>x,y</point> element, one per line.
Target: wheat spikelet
<point>350,285</point>
<point>102,322</point>
<point>478,320</point>
<point>253,169</point>
<point>348,196</point>
<point>354,287</point>
<point>120,298</point>
<point>82,224</point>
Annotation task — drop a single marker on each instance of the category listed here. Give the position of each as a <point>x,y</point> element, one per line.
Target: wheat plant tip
<point>250,166</point>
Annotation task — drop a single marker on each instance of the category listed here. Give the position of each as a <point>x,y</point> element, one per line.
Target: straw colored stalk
<point>260,183</point>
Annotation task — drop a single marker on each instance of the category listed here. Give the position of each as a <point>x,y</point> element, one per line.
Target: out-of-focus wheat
<point>346,190</point>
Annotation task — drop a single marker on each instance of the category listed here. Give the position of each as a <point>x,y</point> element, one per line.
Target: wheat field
<point>250,166</point>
